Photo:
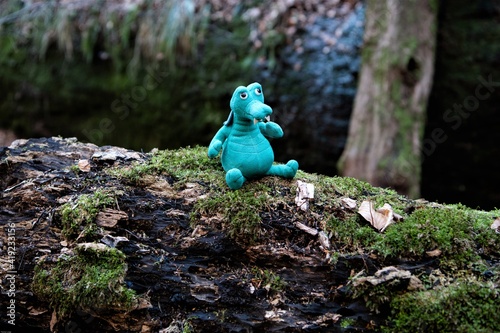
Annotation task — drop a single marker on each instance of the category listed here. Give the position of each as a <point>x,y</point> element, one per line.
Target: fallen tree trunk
<point>101,239</point>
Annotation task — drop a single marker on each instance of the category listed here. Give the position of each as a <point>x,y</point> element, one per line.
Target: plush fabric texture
<point>246,151</point>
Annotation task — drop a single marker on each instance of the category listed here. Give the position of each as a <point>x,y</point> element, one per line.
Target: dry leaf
<point>348,203</point>
<point>324,240</point>
<point>36,311</point>
<point>379,218</point>
<point>53,321</point>
<point>84,165</point>
<point>496,225</point>
<point>434,253</point>
<point>199,231</point>
<point>305,192</point>
<point>328,318</point>
<point>397,217</point>
<point>192,193</point>
<point>143,304</point>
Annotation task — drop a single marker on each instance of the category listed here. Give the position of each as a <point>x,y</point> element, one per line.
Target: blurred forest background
<point>149,73</point>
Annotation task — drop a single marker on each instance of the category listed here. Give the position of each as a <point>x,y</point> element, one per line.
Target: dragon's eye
<point>258,91</point>
<point>243,95</point>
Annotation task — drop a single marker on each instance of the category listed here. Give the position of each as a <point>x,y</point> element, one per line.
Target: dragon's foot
<point>286,171</point>
<point>234,179</point>
<point>293,166</point>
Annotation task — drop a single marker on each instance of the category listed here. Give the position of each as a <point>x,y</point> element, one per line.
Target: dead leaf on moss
<point>305,192</point>
<point>397,217</point>
<point>434,253</point>
<point>348,203</point>
<point>380,218</point>
<point>324,240</point>
<point>496,225</point>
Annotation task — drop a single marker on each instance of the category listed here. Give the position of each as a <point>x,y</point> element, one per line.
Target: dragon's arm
<point>217,141</point>
<point>270,129</point>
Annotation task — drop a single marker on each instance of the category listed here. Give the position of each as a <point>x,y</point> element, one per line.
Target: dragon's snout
<point>259,110</point>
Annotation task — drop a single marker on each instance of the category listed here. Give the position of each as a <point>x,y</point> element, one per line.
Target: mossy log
<point>388,119</point>
<point>99,239</point>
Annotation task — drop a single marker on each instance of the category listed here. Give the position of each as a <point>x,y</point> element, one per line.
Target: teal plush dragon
<point>246,151</point>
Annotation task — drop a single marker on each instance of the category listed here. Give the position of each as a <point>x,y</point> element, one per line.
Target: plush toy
<point>246,151</point>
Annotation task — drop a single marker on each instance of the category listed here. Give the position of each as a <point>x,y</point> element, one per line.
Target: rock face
<point>100,239</point>
<point>314,88</point>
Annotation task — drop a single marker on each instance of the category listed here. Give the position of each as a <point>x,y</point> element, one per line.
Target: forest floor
<point>108,239</point>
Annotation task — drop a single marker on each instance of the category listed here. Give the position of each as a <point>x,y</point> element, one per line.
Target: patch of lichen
<point>90,279</point>
<point>77,218</point>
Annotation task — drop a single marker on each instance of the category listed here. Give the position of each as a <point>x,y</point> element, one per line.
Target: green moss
<point>267,279</point>
<point>77,217</point>
<point>456,231</point>
<point>377,297</point>
<point>350,233</point>
<point>75,169</point>
<point>91,279</point>
<point>464,306</point>
<point>187,327</point>
<point>185,164</point>
<point>346,322</point>
<point>240,210</point>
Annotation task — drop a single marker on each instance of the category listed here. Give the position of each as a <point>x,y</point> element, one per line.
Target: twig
<point>17,185</point>
<point>303,227</point>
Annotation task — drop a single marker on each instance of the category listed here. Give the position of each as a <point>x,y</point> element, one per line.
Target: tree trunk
<point>387,123</point>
